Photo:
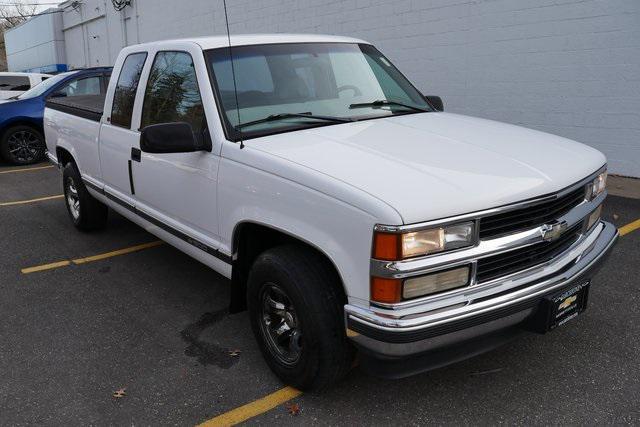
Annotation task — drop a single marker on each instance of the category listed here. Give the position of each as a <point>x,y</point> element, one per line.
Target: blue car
<point>21,131</point>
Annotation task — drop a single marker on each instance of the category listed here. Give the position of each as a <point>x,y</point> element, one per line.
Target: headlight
<point>397,246</point>
<point>597,186</point>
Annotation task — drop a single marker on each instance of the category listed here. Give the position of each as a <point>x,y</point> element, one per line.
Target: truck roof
<point>214,42</point>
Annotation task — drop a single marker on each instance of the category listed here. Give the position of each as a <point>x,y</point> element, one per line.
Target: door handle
<point>136,154</point>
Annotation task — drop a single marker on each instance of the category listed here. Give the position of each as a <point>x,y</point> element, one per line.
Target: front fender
<point>340,230</point>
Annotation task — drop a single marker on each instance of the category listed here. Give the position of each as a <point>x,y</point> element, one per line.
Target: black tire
<point>315,308</point>
<point>22,145</point>
<point>85,212</point>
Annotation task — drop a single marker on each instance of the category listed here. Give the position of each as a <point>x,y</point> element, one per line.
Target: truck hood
<point>434,165</point>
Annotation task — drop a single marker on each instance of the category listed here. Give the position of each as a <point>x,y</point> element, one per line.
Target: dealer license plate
<point>566,305</point>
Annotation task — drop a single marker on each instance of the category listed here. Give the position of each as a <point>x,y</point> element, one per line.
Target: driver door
<point>178,189</point>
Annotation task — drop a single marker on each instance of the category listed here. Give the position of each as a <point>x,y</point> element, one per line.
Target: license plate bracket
<point>557,309</point>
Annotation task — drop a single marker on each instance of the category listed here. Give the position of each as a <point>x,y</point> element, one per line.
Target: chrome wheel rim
<point>279,324</point>
<point>25,146</point>
<point>73,201</point>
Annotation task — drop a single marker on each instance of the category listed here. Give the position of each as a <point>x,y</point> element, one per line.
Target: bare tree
<point>15,13</point>
<point>3,54</point>
<point>12,14</point>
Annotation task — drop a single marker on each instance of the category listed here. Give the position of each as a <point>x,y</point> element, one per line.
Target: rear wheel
<point>22,145</point>
<point>296,310</point>
<point>85,212</point>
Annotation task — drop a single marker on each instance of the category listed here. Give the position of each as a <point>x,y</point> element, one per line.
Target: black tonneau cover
<point>86,106</point>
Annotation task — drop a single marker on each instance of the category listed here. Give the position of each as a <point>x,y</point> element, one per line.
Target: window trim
<point>195,72</point>
<point>144,62</point>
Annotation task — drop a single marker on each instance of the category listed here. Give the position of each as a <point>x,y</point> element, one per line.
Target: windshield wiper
<point>386,102</point>
<point>282,116</point>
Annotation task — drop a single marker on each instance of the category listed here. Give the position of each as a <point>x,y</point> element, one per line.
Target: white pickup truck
<point>347,210</point>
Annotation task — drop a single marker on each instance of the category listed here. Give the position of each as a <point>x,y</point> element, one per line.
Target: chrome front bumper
<point>480,310</point>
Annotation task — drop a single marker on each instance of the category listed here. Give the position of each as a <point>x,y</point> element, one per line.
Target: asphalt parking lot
<point>152,322</point>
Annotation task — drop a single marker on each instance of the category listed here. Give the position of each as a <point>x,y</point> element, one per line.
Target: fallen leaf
<point>234,353</point>
<point>118,394</point>
<point>616,216</point>
<point>293,409</point>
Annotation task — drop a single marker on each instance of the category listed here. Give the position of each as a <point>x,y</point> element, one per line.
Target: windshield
<point>44,86</point>
<point>295,82</point>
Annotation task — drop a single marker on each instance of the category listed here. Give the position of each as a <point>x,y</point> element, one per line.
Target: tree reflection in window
<point>125,93</point>
<point>172,93</point>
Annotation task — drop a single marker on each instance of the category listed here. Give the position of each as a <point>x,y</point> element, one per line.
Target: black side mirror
<point>58,95</point>
<point>435,101</point>
<point>169,138</point>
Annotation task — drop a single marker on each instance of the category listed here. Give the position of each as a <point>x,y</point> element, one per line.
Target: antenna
<point>233,69</point>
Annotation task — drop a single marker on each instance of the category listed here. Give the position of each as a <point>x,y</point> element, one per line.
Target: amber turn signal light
<point>387,291</point>
<point>386,246</point>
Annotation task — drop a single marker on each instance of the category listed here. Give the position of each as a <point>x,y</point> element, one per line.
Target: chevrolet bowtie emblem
<point>553,231</point>
<point>567,302</point>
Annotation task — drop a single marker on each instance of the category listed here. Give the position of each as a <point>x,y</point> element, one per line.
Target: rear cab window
<point>15,83</point>
<point>125,92</point>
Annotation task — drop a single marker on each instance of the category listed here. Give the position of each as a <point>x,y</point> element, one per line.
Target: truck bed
<point>86,106</point>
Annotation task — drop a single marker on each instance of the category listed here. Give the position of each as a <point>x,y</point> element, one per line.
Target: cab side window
<point>125,93</point>
<point>79,87</point>
<point>172,93</point>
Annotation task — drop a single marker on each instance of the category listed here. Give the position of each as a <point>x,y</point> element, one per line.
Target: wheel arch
<point>64,156</point>
<point>21,121</point>
<point>250,239</point>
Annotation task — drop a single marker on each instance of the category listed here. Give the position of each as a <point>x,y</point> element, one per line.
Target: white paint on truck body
<point>327,186</point>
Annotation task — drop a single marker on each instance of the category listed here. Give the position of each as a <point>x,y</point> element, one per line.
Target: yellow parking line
<point>629,227</point>
<point>85,260</point>
<point>40,199</point>
<point>27,169</point>
<point>255,408</point>
<point>117,253</point>
<point>44,267</point>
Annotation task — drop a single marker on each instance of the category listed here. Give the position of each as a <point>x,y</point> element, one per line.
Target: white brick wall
<point>569,67</point>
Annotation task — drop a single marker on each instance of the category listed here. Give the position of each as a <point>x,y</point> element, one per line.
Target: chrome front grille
<point>503,264</point>
<point>516,220</point>
<point>516,243</point>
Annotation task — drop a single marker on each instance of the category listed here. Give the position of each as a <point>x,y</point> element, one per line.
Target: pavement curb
<point>623,186</point>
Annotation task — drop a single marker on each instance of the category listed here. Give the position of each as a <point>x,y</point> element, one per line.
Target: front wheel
<point>296,311</point>
<point>22,145</point>
<point>85,212</point>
